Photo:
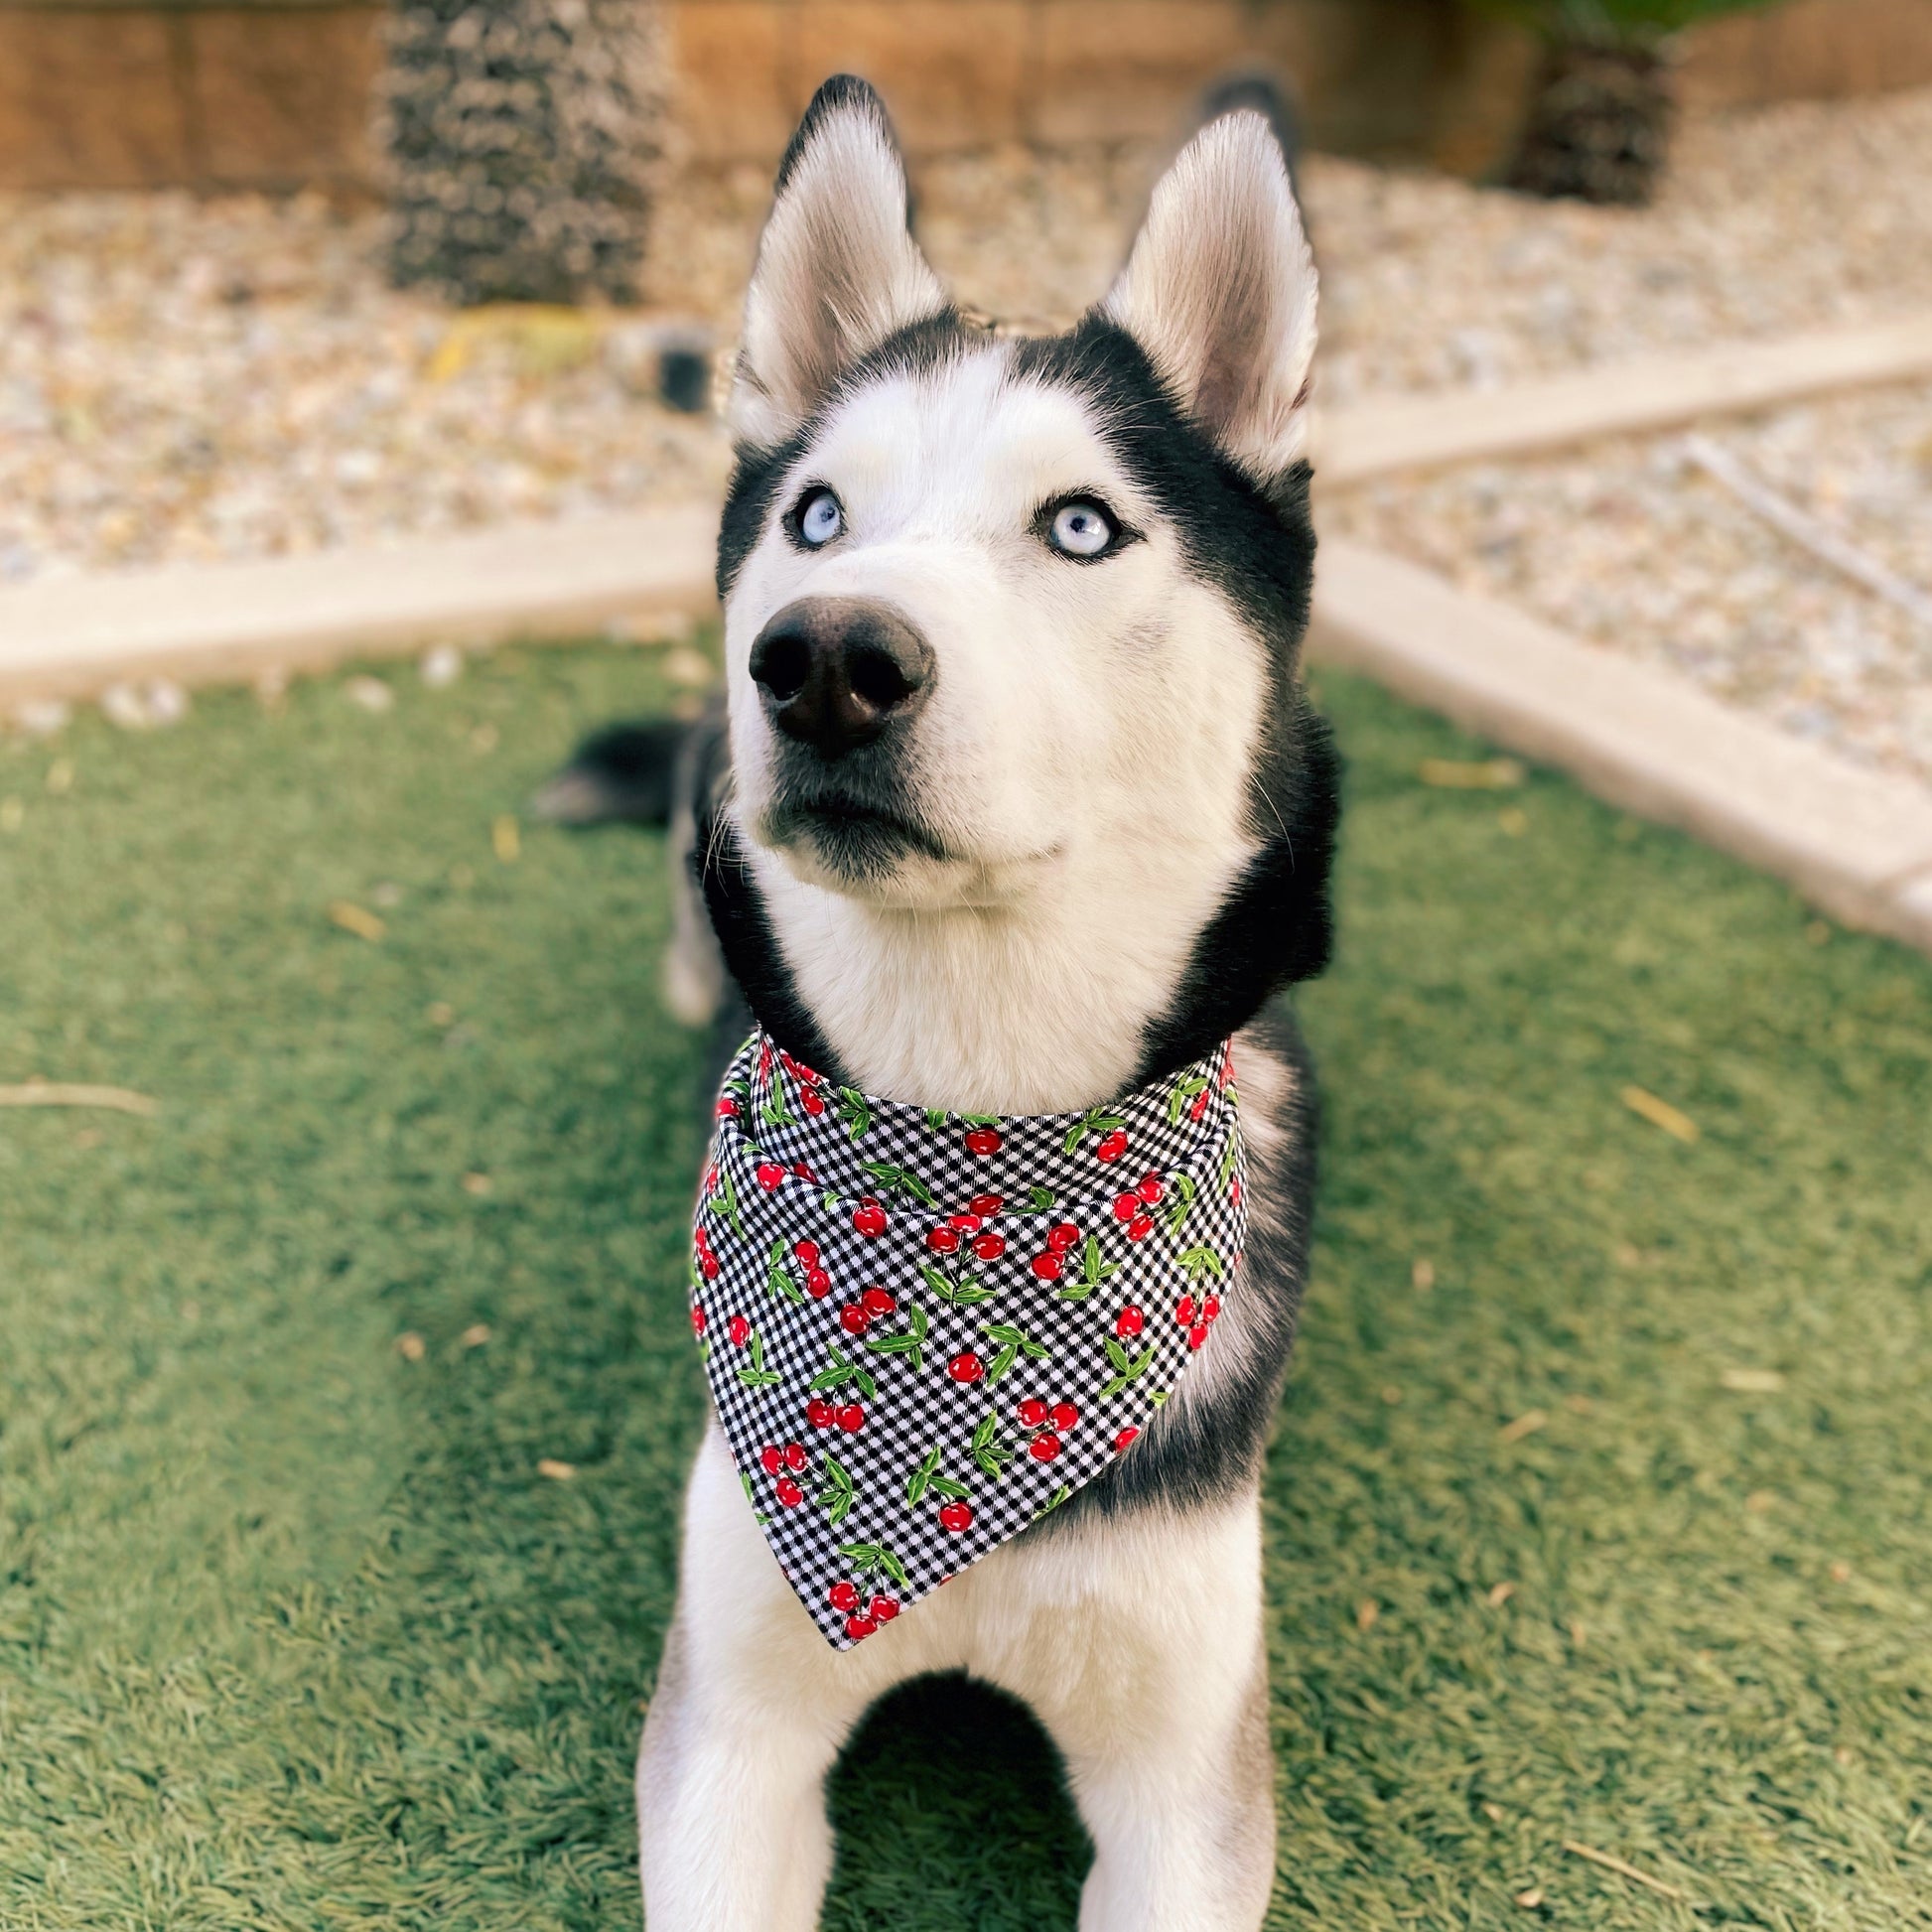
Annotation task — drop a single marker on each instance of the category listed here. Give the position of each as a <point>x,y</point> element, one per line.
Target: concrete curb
<point>1614,399</point>
<point>1856,843</point>
<point>201,624</point>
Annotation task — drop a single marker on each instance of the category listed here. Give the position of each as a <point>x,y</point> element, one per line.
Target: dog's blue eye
<point>1080,529</point>
<point>820,518</point>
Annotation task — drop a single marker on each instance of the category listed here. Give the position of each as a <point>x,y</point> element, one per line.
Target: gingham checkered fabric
<point>923,1330</point>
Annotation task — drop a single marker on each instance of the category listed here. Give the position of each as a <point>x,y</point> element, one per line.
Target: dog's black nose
<point>835,671</point>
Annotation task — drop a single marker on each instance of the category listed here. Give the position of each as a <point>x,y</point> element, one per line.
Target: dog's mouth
<point>851,837</point>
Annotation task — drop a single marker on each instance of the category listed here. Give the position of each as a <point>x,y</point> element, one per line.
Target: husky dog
<point>1018,802</point>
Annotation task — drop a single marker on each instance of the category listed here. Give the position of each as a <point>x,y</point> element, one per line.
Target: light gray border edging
<point>1428,431</point>
<point>201,624</point>
<point>1856,843</point>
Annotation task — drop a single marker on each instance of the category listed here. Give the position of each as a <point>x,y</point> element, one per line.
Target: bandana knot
<point>923,1330</point>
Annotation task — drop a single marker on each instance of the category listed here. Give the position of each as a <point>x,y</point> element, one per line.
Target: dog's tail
<point>624,775</point>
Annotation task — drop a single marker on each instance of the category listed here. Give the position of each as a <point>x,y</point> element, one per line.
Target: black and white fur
<point>1077,831</point>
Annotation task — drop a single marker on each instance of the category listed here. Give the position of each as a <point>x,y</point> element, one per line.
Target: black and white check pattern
<point>922,1330</point>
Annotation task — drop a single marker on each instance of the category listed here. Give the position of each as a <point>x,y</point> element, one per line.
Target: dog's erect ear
<point>1221,292</point>
<point>838,270</point>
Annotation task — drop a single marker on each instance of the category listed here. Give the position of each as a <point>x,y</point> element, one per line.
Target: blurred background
<point>291,274</point>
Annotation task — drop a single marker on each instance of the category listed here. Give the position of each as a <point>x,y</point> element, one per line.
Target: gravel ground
<point>232,379</point>
<point>1628,543</point>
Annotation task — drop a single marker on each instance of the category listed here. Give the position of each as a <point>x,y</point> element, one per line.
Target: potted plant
<point>1603,100</point>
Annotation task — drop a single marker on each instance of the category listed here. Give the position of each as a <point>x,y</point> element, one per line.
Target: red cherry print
<point>965,1223</point>
<point>772,1460</point>
<point>1234,1191</point>
<point>708,1267</point>
<point>785,1060</point>
<point>726,1107</point>
<point>697,1321</point>
<point>1125,1437</point>
<point>711,1180</point>
<point>1126,1207</point>
<point>1151,1189</point>
<point>806,1253</point>
<point>794,1457</point>
<point>1044,1447</point>
<point>802,1072</point>
<point>875,1301</point>
<point>1140,1227</point>
<point>966,1367</point>
<point>853,1318</point>
<point>983,1140</point>
<point>1033,1412</point>
<point>990,1246</point>
<point>769,1173</point>
<point>869,1219</point>
<point>1183,1311</point>
<point>1200,1105</point>
<point>843,1596</point>
<point>818,1284</point>
<point>1061,1238</point>
<point>1065,1416</point>
<point>813,1103</point>
<point>881,1609</point>
<point>820,1412</point>
<point>791,1494</point>
<point>957,1517</point>
<point>739,1329</point>
<point>1130,1321</point>
<point>1112,1146</point>
<point>859,1626</point>
<point>1211,1307</point>
<point>942,1241</point>
<point>852,1418</point>
<point>1047,1267</point>
<point>803,1169</point>
<point>987,1205</point>
<point>1198,1334</point>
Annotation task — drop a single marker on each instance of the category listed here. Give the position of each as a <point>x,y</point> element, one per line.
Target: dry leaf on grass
<point>548,1465</point>
<point>357,919</point>
<point>477,1184</point>
<point>1659,1113</point>
<point>1421,1275</point>
<point>411,1347</point>
<point>1751,1381</point>
<point>1623,1871</point>
<point>1368,1612</point>
<point>1531,1899</point>
<point>506,840</point>
<point>58,1093</point>
<point>370,693</point>
<point>1499,1594</point>
<point>1527,1424</point>
<point>1485,775</point>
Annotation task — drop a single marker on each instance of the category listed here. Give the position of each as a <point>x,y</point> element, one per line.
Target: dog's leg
<point>1146,1661</point>
<point>749,1710</point>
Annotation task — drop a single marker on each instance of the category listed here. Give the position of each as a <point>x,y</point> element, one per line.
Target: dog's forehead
<point>962,430</point>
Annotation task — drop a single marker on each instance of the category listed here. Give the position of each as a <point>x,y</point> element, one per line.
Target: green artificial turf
<point>293,1633</point>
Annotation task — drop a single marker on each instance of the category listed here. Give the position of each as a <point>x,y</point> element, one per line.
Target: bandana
<point>923,1330</point>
